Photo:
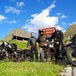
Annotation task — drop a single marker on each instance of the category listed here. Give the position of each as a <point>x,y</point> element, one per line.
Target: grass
<point>20,44</point>
<point>29,69</point>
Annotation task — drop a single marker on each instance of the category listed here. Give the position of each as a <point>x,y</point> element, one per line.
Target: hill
<point>70,31</point>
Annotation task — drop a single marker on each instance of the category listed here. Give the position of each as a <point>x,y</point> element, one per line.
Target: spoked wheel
<point>70,56</point>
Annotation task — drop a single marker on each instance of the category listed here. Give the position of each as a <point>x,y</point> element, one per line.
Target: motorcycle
<point>71,53</point>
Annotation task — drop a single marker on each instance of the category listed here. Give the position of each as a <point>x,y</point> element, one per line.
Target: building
<point>18,34</point>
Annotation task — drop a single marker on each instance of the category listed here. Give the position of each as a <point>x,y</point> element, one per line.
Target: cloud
<point>2,18</point>
<point>11,9</point>
<point>64,23</point>
<point>59,14</point>
<point>11,22</point>
<point>42,20</point>
<point>72,23</point>
<point>20,4</point>
<point>63,16</point>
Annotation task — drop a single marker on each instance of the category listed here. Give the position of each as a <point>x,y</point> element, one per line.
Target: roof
<point>21,33</point>
<point>17,32</point>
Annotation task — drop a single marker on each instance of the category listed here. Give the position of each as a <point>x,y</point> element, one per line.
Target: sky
<point>32,15</point>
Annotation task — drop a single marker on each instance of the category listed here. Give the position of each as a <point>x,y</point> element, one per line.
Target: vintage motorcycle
<point>71,53</point>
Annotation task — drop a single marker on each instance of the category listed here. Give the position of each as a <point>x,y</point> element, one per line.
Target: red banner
<point>49,31</point>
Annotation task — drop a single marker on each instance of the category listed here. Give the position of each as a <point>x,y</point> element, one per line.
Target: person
<point>58,37</point>
<point>33,47</point>
<point>41,41</point>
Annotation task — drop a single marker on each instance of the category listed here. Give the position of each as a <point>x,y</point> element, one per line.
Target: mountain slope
<point>70,31</point>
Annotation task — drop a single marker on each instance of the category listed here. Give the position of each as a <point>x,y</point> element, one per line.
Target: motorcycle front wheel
<point>70,57</point>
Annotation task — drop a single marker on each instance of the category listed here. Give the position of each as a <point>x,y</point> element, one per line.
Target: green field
<point>28,69</point>
<point>20,44</point>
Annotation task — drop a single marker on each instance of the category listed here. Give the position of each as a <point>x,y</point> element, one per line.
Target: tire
<point>70,57</point>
